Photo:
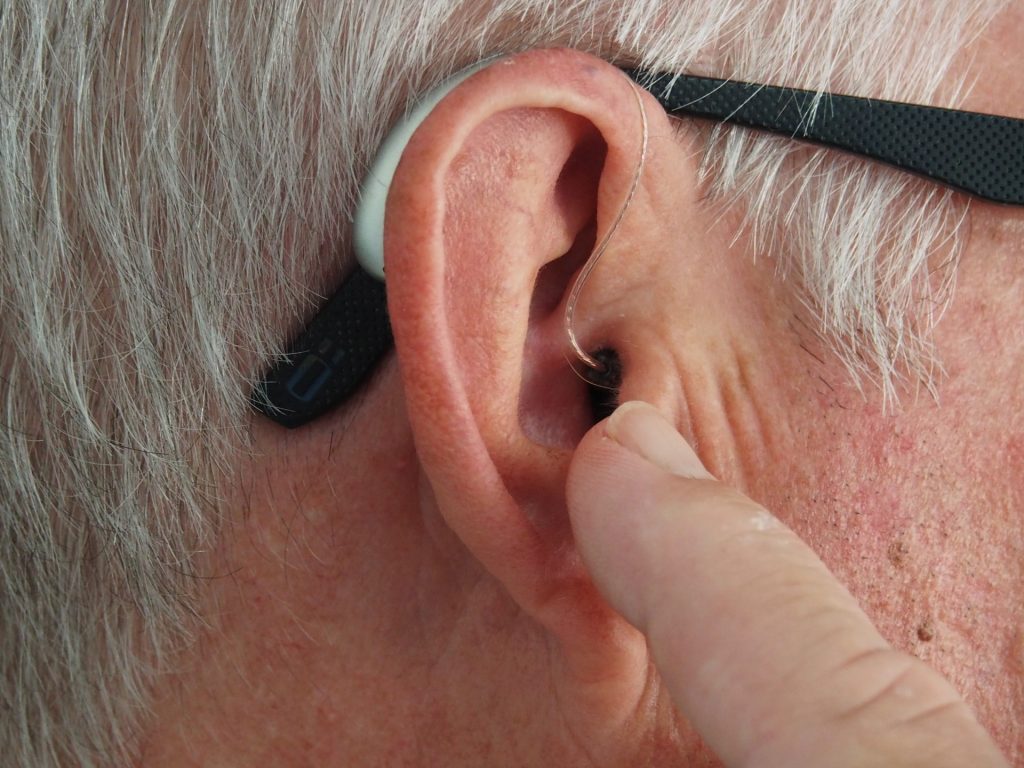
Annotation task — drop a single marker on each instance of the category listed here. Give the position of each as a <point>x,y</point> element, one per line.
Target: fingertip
<point>643,429</point>
<point>610,493</point>
<point>636,438</point>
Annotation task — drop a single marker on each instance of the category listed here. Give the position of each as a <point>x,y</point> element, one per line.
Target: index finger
<point>763,650</point>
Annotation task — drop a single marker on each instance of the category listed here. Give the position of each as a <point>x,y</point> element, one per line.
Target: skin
<point>790,671</point>
<point>402,581</point>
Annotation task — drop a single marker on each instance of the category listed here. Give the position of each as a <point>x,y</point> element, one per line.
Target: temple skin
<point>404,588</point>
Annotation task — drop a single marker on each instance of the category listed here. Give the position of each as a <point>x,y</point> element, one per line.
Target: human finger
<point>763,650</point>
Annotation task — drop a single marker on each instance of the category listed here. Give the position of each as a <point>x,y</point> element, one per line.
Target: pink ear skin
<point>491,213</point>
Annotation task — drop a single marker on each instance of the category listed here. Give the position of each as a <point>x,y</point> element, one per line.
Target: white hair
<point>175,186</point>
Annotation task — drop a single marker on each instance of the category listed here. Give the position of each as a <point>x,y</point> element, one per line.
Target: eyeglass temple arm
<point>976,153</point>
<point>979,154</point>
<point>332,358</point>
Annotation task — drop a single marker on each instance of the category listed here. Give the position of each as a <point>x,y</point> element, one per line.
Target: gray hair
<point>175,186</point>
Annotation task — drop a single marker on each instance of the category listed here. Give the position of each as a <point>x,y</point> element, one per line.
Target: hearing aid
<point>334,355</point>
<point>368,222</point>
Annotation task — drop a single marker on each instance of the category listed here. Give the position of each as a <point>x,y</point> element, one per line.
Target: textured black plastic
<point>331,358</point>
<point>973,152</point>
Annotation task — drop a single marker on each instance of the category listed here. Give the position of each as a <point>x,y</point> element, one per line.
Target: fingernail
<point>640,428</point>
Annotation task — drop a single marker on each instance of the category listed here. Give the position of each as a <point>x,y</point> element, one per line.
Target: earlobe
<point>494,207</point>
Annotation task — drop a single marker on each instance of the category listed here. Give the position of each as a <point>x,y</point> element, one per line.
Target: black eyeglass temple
<point>980,154</point>
<point>973,152</point>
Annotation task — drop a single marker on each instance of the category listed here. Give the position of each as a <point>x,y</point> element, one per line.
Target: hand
<point>763,651</point>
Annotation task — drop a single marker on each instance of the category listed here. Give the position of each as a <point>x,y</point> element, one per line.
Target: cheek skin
<point>917,510</point>
<point>921,532</point>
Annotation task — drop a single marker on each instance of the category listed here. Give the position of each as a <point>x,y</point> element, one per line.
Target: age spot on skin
<point>898,552</point>
<point>926,630</point>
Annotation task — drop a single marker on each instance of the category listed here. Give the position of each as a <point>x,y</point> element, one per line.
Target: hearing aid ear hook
<point>368,223</point>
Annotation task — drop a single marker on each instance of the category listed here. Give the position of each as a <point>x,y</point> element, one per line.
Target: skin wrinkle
<point>731,413</point>
<point>697,434</point>
<point>195,223</point>
<point>742,413</point>
<point>429,607</point>
<point>647,700</point>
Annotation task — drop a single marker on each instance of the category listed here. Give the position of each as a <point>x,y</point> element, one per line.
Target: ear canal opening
<point>603,385</point>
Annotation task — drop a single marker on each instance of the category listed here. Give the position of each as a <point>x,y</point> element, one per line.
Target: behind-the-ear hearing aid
<point>979,154</point>
<point>368,223</point>
<point>341,346</point>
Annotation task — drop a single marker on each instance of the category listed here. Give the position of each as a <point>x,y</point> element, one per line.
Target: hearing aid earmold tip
<point>604,383</point>
<point>609,374</point>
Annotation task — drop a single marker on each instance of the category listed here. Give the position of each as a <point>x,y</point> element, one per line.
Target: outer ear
<point>492,211</point>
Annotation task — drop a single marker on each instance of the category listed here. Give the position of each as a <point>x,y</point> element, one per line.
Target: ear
<point>493,210</point>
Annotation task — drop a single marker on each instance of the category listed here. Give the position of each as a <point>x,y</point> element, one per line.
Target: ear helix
<point>339,349</point>
<point>603,370</point>
<point>368,223</point>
